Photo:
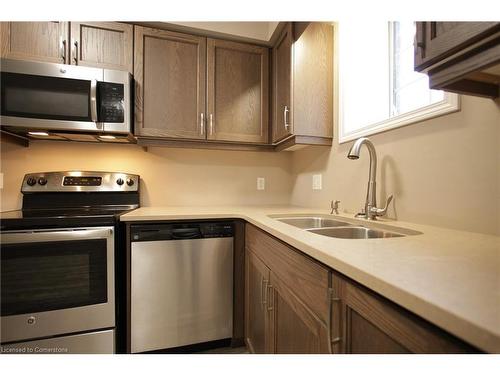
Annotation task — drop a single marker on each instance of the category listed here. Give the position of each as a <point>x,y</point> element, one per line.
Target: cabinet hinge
<point>331,295</point>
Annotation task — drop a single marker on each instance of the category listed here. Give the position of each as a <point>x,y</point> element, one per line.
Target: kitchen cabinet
<point>238,78</point>
<point>303,85</point>
<point>39,41</point>
<point>102,44</point>
<point>170,77</point>
<point>282,85</point>
<point>288,294</point>
<point>97,44</point>
<point>296,305</point>
<point>294,327</point>
<point>175,71</point>
<point>366,323</point>
<point>461,57</point>
<point>257,316</point>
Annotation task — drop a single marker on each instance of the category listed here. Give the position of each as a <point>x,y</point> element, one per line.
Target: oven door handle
<point>93,100</point>
<point>48,235</point>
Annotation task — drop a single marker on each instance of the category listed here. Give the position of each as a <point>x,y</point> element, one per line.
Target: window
<point>379,90</point>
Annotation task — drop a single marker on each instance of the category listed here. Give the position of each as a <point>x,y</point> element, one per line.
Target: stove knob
<point>130,182</point>
<point>31,181</point>
<point>119,181</point>
<point>42,181</point>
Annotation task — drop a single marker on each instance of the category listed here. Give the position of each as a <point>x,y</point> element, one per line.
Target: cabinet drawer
<point>307,279</point>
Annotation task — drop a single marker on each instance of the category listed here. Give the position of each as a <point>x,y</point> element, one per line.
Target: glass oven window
<point>51,98</point>
<point>47,276</point>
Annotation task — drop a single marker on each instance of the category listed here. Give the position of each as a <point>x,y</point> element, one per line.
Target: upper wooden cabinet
<point>38,41</point>
<point>191,88</point>
<point>170,78</point>
<point>461,57</point>
<point>102,44</point>
<point>303,85</point>
<point>282,85</point>
<point>97,44</point>
<point>238,77</point>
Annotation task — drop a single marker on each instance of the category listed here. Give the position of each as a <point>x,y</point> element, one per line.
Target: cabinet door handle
<point>270,304</point>
<point>202,123</point>
<point>75,53</point>
<point>336,301</point>
<point>263,291</point>
<point>285,117</point>
<point>62,49</point>
<point>93,100</point>
<point>211,124</point>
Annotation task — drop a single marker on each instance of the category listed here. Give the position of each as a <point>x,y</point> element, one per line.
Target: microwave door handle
<point>93,100</point>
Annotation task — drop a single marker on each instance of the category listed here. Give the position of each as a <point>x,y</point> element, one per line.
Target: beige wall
<point>169,176</point>
<point>444,171</point>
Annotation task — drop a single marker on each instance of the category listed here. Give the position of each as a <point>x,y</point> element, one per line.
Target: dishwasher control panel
<point>181,231</point>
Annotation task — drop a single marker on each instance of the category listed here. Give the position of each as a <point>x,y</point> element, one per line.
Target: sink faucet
<point>371,211</point>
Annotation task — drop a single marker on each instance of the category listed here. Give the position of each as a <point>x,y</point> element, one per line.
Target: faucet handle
<point>382,211</point>
<point>335,207</point>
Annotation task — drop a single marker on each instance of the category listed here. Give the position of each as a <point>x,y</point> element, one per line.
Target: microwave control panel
<point>111,102</point>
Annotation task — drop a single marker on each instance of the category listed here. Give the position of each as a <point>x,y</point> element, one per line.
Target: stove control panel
<point>80,181</point>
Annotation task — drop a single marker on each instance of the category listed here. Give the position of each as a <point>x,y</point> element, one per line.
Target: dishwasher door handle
<point>185,233</point>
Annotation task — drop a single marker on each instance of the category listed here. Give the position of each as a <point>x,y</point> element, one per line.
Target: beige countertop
<point>449,277</point>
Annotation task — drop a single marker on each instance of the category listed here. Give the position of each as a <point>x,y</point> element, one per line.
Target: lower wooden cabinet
<point>294,304</point>
<point>365,323</point>
<point>257,335</point>
<point>294,328</point>
<point>280,318</point>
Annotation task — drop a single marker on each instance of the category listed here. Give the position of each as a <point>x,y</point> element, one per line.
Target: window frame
<point>449,104</point>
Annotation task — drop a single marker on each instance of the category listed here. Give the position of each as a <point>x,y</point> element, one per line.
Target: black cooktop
<point>67,217</point>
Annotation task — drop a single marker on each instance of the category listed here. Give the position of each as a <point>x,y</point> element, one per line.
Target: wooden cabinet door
<point>38,41</point>
<point>282,85</point>
<point>369,324</point>
<point>238,79</point>
<point>169,72</point>
<point>435,41</point>
<point>256,316</point>
<point>102,45</point>
<point>295,329</point>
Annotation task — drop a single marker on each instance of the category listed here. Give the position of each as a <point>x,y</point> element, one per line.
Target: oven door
<point>49,96</point>
<point>56,282</point>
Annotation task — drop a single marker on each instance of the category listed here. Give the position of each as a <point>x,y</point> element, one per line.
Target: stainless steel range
<point>59,262</point>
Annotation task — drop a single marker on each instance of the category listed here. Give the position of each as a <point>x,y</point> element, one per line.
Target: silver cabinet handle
<point>75,53</point>
<point>202,123</point>
<point>62,49</point>
<point>211,124</point>
<point>285,117</point>
<point>335,301</point>
<point>270,304</point>
<point>93,100</point>
<point>263,291</point>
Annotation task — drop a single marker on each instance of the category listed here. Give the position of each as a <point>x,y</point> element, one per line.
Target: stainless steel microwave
<point>64,98</point>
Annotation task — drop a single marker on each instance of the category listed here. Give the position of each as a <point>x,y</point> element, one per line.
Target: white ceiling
<point>261,31</point>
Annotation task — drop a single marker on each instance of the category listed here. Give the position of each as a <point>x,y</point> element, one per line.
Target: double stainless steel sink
<point>326,226</point>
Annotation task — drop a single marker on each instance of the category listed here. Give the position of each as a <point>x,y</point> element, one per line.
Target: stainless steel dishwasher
<point>181,284</point>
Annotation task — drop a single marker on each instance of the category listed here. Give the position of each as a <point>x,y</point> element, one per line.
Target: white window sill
<point>450,103</point>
